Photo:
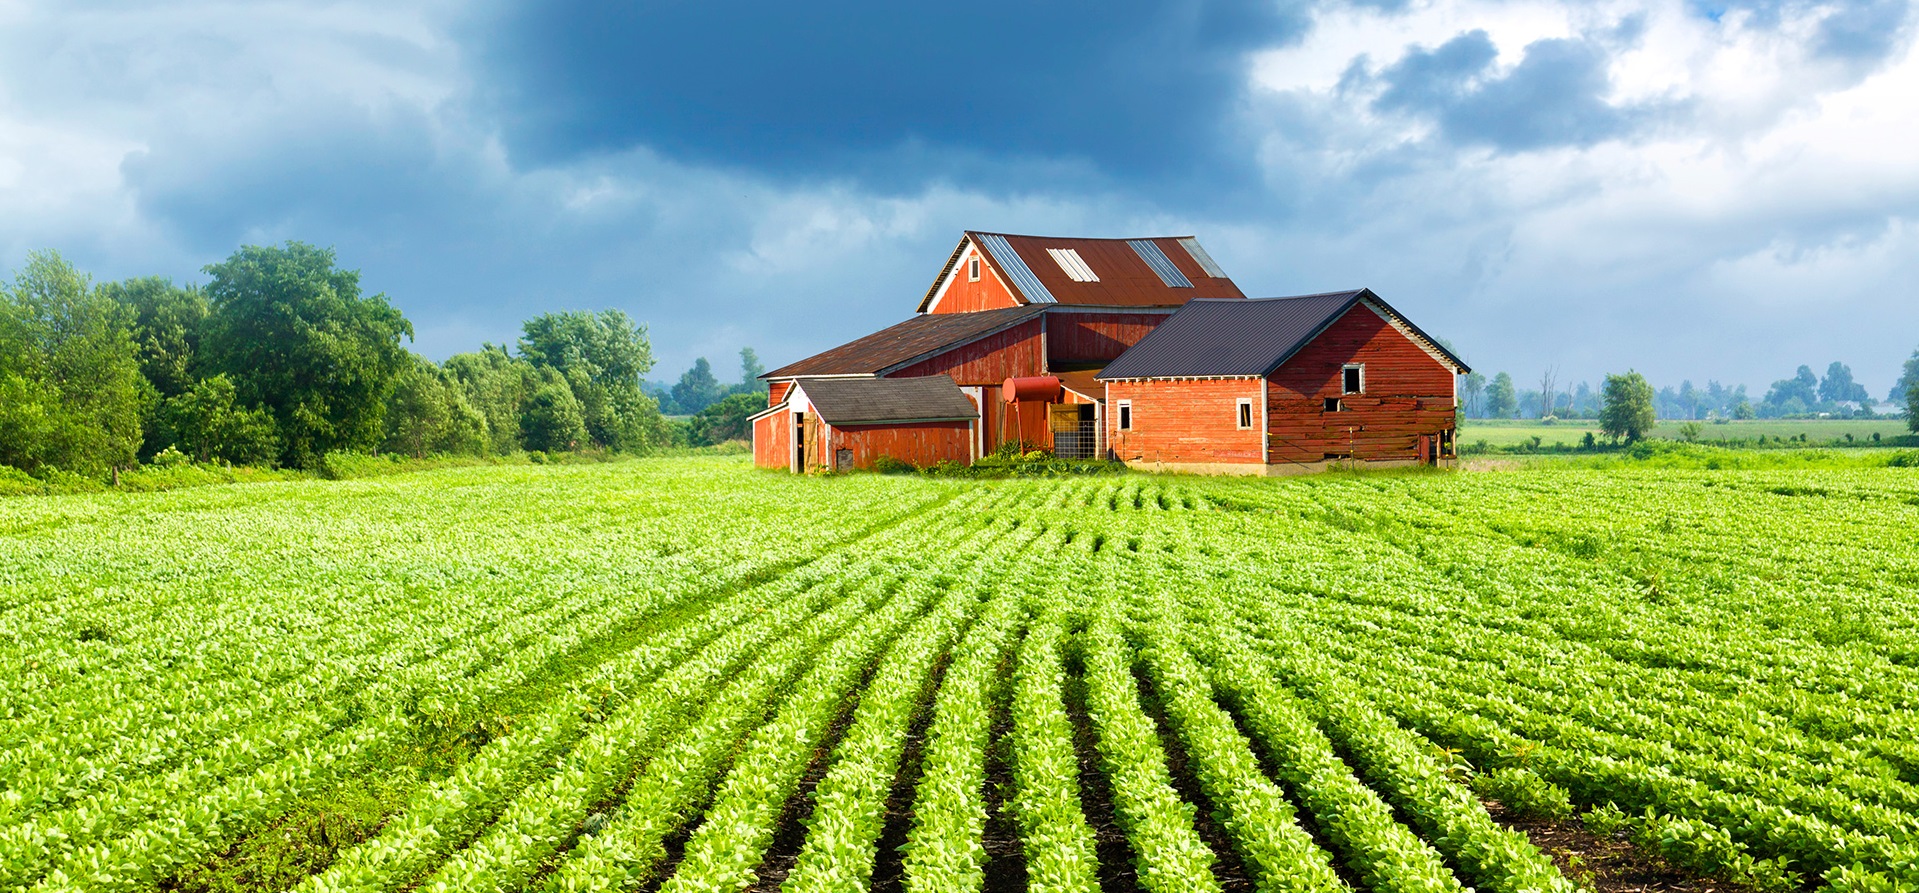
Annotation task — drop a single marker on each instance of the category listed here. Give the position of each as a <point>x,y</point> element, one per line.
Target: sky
<point>1696,189</point>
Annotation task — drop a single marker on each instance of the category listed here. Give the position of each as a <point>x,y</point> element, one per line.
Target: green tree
<point>1628,407</point>
<point>1908,379</point>
<point>1471,386</point>
<point>296,336</point>
<point>208,424</point>
<point>167,324</point>
<point>429,413</point>
<point>1797,394</point>
<point>1501,400</point>
<point>750,371</point>
<point>601,356</point>
<point>71,394</point>
<point>1838,386</point>
<point>167,321</point>
<point>1912,408</point>
<point>697,388</point>
<point>725,420</point>
<point>554,420</point>
<point>498,385</point>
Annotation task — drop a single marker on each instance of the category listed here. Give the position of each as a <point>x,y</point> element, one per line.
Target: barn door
<point>815,450</point>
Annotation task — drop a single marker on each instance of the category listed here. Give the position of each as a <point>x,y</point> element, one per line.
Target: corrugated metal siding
<point>1209,338</point>
<point>1016,269</point>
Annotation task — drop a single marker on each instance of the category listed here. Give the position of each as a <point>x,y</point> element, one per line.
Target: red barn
<point>1027,332</point>
<point>1282,386</point>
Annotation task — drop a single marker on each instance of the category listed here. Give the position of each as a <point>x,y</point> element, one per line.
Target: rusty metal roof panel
<point>1227,338</point>
<point>870,401</point>
<point>1200,257</point>
<point>1124,276</point>
<point>920,336</point>
<point>1024,279</point>
<point>1161,265</point>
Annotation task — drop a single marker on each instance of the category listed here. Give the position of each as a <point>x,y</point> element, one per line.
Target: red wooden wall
<point>773,440</point>
<point>1075,338</point>
<point>921,443</point>
<point>776,391</point>
<point>988,361</point>
<point>1408,396</point>
<point>1184,421</point>
<point>963,296</point>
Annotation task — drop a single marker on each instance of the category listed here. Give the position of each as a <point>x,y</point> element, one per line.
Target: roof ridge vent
<point>1148,251</point>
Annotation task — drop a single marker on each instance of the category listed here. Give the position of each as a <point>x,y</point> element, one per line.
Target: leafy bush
<point>890,465</point>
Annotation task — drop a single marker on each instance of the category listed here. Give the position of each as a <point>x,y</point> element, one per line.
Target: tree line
<point>1804,395</point>
<point>280,359</point>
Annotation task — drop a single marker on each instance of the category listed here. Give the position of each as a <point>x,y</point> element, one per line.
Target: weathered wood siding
<point>773,440</point>
<point>921,443</point>
<point>1184,421</point>
<point>1408,396</point>
<point>776,391</point>
<point>988,361</point>
<point>1083,338</point>
<point>963,296</point>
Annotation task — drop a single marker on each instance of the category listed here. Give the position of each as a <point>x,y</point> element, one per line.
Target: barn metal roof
<point>898,345</point>
<point>1209,338</point>
<point>861,401</point>
<point>1163,271</point>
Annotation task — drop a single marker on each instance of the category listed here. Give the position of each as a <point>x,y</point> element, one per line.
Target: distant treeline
<point>1804,395</point>
<point>280,359</point>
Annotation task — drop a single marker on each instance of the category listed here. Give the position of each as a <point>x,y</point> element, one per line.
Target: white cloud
<point>156,139</point>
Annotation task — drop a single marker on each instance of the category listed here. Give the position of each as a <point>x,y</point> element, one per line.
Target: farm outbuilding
<point>1283,385</point>
<point>848,423</point>
<point>1136,349</point>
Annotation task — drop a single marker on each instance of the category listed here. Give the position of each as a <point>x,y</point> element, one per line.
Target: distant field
<point>1510,432</point>
<point>691,675</point>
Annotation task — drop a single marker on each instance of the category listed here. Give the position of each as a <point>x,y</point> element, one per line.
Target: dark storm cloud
<point>889,93</point>
<point>1555,96</point>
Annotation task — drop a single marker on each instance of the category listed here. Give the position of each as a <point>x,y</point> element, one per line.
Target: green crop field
<point>689,675</point>
<point>1513,432</point>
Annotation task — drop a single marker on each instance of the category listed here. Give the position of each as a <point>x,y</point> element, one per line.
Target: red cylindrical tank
<point>1031,389</point>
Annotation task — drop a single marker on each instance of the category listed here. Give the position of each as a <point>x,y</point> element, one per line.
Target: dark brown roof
<point>1085,382</point>
<point>1245,337</point>
<point>858,401</point>
<point>911,340</point>
<point>1126,278</point>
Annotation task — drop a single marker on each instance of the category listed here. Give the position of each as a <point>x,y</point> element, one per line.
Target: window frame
<point>1352,367</point>
<point>972,268</point>
<point>1243,413</point>
<point>1123,415</point>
